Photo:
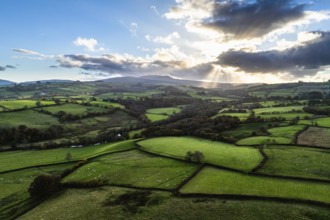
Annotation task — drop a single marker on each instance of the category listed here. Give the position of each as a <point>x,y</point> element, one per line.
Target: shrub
<point>44,185</point>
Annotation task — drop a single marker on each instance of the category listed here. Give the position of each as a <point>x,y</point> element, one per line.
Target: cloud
<point>30,52</point>
<point>306,58</point>
<point>118,64</point>
<point>190,9</point>
<point>154,9</point>
<point>133,28</point>
<point>164,40</point>
<point>89,44</point>
<point>53,67</point>
<point>10,67</point>
<point>243,19</point>
<point>3,68</point>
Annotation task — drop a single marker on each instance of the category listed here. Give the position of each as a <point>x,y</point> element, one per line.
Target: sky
<point>227,41</point>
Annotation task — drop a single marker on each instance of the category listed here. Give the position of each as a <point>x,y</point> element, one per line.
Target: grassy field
<point>126,95</point>
<point>223,182</point>
<point>20,159</point>
<point>74,109</point>
<point>135,168</point>
<point>83,203</point>
<point>17,181</point>
<point>278,135</point>
<point>285,109</point>
<point>164,111</point>
<point>158,114</point>
<point>286,116</point>
<point>217,153</point>
<point>315,136</point>
<point>19,104</point>
<point>245,130</point>
<point>324,122</point>
<point>107,104</point>
<point>297,162</point>
<point>156,117</point>
<point>29,118</point>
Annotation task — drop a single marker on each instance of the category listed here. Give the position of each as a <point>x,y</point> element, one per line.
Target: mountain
<point>6,82</point>
<point>167,80</point>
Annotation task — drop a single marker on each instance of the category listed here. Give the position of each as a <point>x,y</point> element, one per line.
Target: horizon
<point>260,41</point>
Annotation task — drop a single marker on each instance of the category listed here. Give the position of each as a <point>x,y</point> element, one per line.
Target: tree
<point>44,185</point>
<point>38,104</point>
<point>196,156</point>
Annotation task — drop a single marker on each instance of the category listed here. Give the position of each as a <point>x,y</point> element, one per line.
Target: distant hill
<point>6,82</point>
<point>49,80</point>
<point>167,80</point>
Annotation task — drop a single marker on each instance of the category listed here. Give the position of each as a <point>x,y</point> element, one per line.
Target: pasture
<point>222,182</point>
<point>21,104</point>
<point>82,203</point>
<point>315,136</point>
<point>75,109</point>
<point>156,117</point>
<point>19,159</point>
<point>158,114</point>
<point>278,110</point>
<point>106,104</point>
<point>216,153</point>
<point>134,168</point>
<point>296,161</point>
<point>30,118</point>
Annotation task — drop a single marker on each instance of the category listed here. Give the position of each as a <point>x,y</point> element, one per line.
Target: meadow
<point>21,104</point>
<point>29,118</point>
<point>297,161</point>
<point>315,136</point>
<point>216,153</point>
<point>134,168</point>
<point>47,157</point>
<point>222,182</point>
<point>74,109</point>
<point>158,114</point>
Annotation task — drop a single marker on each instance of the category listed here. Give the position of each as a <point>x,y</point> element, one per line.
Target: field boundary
<point>186,180</point>
<point>65,162</point>
<point>296,136</point>
<point>263,161</point>
<point>252,197</point>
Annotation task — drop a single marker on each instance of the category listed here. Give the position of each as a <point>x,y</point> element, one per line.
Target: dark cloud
<point>249,20</point>
<point>3,68</point>
<point>113,65</point>
<point>299,60</point>
<point>53,67</point>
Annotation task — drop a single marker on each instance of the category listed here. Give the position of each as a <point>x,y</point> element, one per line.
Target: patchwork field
<point>43,157</point>
<point>74,109</point>
<point>158,114</point>
<point>323,122</point>
<point>278,135</point>
<point>29,118</point>
<point>297,162</point>
<point>134,168</point>
<point>217,153</point>
<point>223,182</point>
<point>82,203</point>
<point>20,104</point>
<point>315,136</point>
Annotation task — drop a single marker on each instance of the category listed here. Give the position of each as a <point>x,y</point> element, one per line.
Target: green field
<point>17,181</point>
<point>315,136</point>
<point>156,117</point>
<point>74,109</point>
<point>20,104</point>
<point>297,162</point>
<point>42,157</point>
<point>134,168</point>
<point>158,114</point>
<point>106,104</point>
<point>223,182</point>
<point>83,203</point>
<point>164,111</point>
<point>126,95</point>
<point>278,135</point>
<point>241,116</point>
<point>275,110</point>
<point>217,153</point>
<point>29,118</point>
<point>286,116</point>
<point>324,122</point>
